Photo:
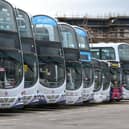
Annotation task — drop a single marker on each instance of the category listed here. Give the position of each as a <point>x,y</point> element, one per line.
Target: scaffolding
<point>113,29</point>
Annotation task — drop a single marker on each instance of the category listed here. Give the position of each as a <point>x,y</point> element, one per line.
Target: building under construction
<point>113,29</point>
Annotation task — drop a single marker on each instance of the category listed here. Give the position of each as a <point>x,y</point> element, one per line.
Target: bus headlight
<point>10,100</point>
<point>1,100</point>
<point>7,100</point>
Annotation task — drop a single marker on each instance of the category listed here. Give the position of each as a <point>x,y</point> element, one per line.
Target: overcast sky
<point>74,7</point>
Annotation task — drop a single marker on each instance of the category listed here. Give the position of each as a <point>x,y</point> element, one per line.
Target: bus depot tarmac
<point>88,116</point>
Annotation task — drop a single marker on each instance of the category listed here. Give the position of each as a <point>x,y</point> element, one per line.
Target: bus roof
<point>109,44</point>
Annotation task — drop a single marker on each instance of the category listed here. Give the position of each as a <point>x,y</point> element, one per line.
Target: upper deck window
<point>45,28</point>
<point>82,39</point>
<point>103,53</point>
<point>24,25</point>
<point>68,36</point>
<point>95,53</point>
<point>107,53</point>
<point>7,20</point>
<point>123,50</point>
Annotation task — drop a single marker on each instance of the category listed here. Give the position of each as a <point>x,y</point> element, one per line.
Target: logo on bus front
<point>53,91</point>
<point>6,93</point>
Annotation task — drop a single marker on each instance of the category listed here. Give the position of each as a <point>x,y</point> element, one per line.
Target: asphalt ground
<point>87,116</point>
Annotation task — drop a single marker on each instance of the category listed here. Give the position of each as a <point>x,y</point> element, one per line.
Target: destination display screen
<point>43,20</point>
<point>49,51</point>
<point>8,41</point>
<point>85,56</point>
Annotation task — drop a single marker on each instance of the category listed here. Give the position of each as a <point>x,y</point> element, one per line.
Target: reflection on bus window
<point>95,53</point>
<point>30,69</point>
<point>74,76</point>
<point>6,20</point>
<point>107,53</point>
<point>46,32</point>
<point>87,75</point>
<point>98,80</point>
<point>123,52</point>
<point>106,78</point>
<point>23,24</point>
<point>83,42</point>
<point>10,69</point>
<point>68,37</point>
<point>52,74</point>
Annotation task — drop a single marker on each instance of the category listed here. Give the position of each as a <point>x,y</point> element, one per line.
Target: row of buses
<point>119,54</point>
<point>43,61</point>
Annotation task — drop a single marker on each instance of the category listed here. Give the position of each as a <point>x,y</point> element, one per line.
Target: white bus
<point>86,60</point>
<point>31,78</point>
<point>52,76</point>
<point>74,85</point>
<point>116,52</point>
<point>11,59</point>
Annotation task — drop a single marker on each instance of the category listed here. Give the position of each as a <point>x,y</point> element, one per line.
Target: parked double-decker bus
<point>74,85</point>
<point>31,78</point>
<point>52,78</point>
<point>118,54</point>
<point>86,59</point>
<point>11,59</point>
